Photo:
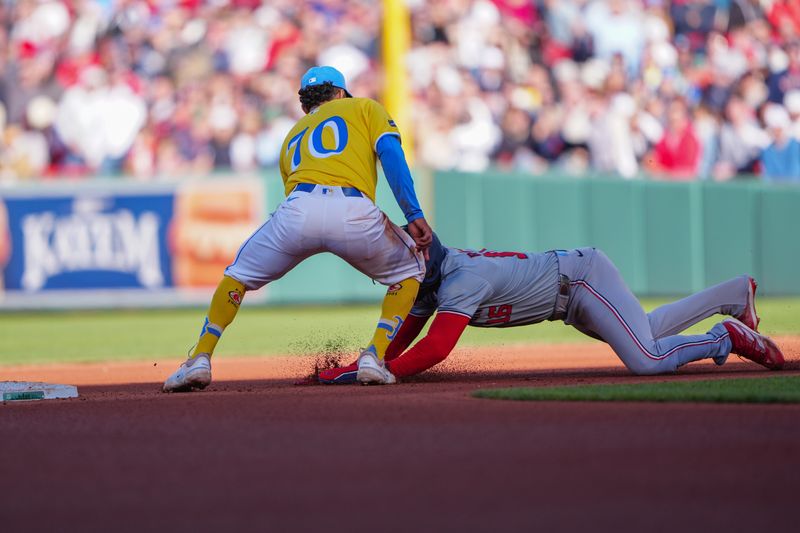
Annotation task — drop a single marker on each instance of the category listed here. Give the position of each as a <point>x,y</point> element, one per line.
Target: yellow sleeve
<point>379,122</point>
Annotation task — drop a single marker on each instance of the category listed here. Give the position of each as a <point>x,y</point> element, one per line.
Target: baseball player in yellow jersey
<point>328,165</point>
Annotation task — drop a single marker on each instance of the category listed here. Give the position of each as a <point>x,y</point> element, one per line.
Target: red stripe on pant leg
<point>630,332</point>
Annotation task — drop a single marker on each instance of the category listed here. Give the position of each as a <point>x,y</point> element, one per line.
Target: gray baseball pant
<point>601,305</point>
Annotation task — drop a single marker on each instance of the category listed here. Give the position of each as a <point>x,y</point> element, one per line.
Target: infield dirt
<point>255,452</point>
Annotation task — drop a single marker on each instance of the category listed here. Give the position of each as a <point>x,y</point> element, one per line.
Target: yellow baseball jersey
<point>335,145</point>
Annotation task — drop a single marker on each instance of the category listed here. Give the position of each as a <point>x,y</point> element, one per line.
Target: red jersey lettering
<point>499,314</point>
<point>489,253</point>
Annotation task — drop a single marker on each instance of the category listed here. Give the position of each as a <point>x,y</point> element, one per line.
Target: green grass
<point>84,336</point>
<point>779,389</point>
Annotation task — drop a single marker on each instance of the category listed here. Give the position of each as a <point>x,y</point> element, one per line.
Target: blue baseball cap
<point>323,74</point>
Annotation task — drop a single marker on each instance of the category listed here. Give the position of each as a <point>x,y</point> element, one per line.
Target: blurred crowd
<point>145,88</point>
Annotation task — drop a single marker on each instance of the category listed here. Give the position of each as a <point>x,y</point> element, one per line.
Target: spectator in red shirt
<point>677,154</point>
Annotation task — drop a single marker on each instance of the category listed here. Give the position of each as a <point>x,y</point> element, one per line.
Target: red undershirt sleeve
<point>434,348</point>
<point>405,335</point>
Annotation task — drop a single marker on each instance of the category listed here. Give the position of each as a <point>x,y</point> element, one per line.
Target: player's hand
<point>422,234</point>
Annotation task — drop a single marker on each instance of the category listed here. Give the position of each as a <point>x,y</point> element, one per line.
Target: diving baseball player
<point>583,288</point>
<point>328,166</point>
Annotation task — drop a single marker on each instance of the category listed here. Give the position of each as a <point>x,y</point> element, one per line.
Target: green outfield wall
<point>115,243</point>
<point>667,238</point>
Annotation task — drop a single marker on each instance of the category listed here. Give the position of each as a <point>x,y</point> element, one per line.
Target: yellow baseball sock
<point>221,312</point>
<point>396,305</point>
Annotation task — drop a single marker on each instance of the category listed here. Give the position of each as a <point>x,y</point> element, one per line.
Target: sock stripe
<point>213,329</point>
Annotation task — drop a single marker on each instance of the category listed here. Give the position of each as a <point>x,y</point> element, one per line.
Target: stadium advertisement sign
<point>71,242</point>
<point>112,245</point>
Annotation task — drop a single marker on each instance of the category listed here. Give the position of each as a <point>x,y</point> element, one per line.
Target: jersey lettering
<point>337,126</point>
<point>295,143</point>
<point>489,253</point>
<point>499,314</point>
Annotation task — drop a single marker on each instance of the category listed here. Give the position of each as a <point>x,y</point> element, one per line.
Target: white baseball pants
<point>325,220</point>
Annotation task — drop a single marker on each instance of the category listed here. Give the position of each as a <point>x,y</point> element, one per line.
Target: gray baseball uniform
<point>495,289</point>
<point>583,288</point>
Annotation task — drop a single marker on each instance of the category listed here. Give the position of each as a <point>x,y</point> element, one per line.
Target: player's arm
<point>431,350</point>
<point>393,161</point>
<point>385,138</point>
<point>424,308</point>
<point>398,175</point>
<point>405,335</point>
<point>458,298</point>
<point>434,348</point>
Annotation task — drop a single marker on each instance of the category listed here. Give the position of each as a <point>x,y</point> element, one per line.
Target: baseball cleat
<point>752,345</point>
<point>373,371</point>
<point>749,317</point>
<point>335,376</point>
<point>344,375</point>
<point>194,373</point>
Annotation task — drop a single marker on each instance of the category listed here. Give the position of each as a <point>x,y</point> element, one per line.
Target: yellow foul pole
<point>396,42</point>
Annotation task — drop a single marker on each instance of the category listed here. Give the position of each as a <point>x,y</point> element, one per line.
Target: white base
<point>12,391</point>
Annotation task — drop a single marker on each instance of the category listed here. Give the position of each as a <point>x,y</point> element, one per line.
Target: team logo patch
<point>392,124</point>
<point>235,297</point>
<point>396,287</point>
